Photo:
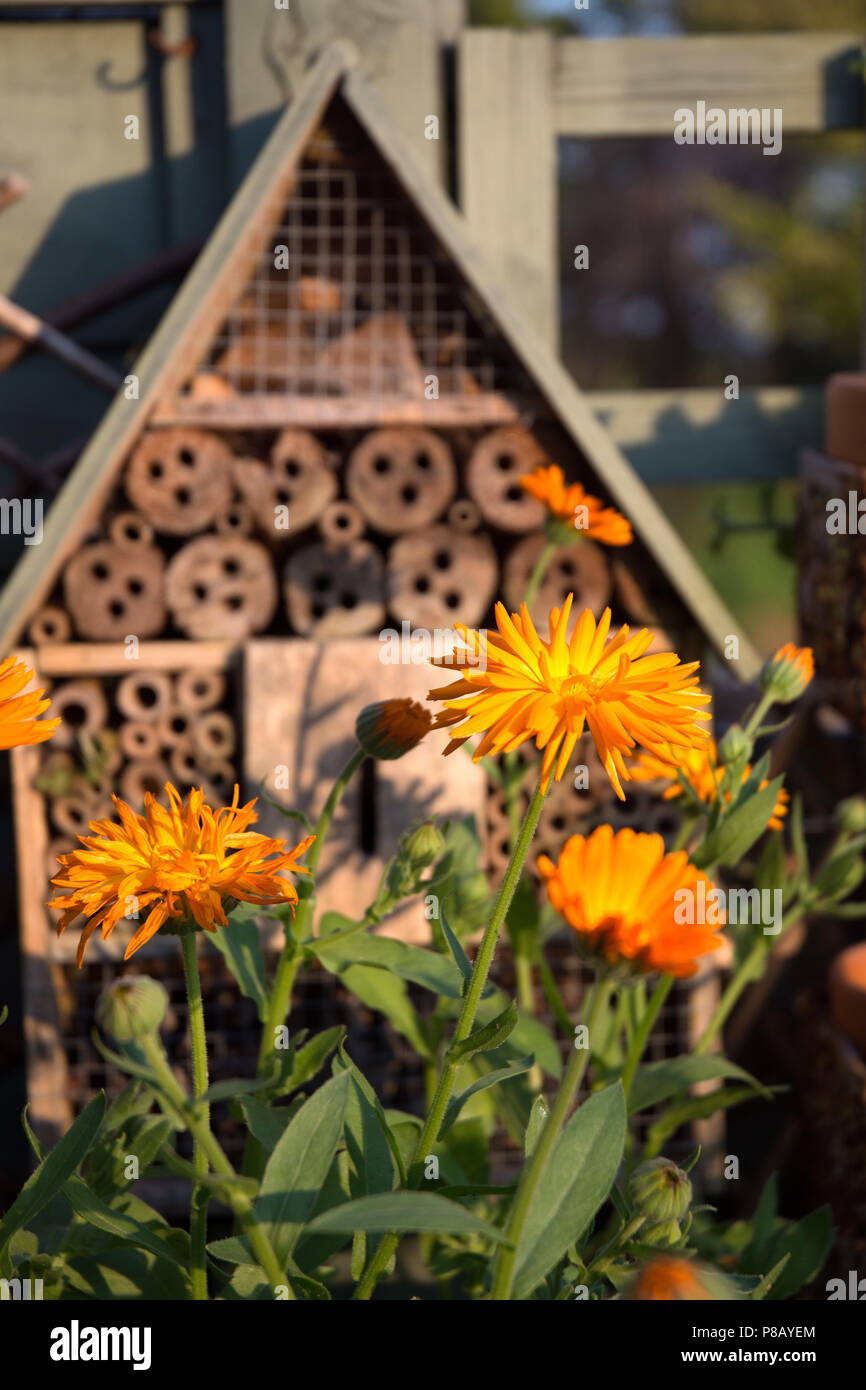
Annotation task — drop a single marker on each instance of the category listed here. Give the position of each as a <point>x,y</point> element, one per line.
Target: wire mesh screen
<point>351,294</point>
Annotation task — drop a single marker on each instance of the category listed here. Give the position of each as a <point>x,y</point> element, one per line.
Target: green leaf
<point>537,1120</point>
<point>576,1181</point>
<point>415,963</point>
<point>4,1014</point>
<point>299,1165</point>
<point>308,1061</point>
<point>659,1080</point>
<point>387,994</point>
<point>798,838</point>
<point>492,1078</point>
<point>698,1108</point>
<point>808,1243</point>
<point>241,947</point>
<point>54,1170</point>
<point>93,1210</point>
<point>484,1039</point>
<point>739,829</point>
<point>230,1089</point>
<point>268,1123</point>
<point>459,956</point>
<point>405,1211</point>
<point>371,1165</point>
<point>123,1272</point>
<point>233,1251</point>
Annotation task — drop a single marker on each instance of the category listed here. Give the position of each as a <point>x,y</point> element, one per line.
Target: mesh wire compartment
<point>351,294</point>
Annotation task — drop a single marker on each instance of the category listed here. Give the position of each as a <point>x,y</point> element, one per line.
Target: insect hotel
<point>320,447</point>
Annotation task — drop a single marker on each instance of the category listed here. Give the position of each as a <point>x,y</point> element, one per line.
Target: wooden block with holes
<point>300,704</point>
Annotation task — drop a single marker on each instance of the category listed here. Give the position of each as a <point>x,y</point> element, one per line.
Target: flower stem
<point>445,1085</point>
<point>741,977</point>
<point>503,1274</point>
<point>643,1030</point>
<point>199,1125</point>
<point>200,1195</point>
<point>539,571</point>
<point>766,701</point>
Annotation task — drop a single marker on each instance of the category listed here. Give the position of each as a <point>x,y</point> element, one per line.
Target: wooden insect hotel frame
<point>320,444</point>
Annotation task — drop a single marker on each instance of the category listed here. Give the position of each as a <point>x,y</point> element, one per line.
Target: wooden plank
<point>329,412</point>
<point>554,383</point>
<point>109,658</point>
<point>194,315</point>
<point>696,436</point>
<point>46,1070</point>
<point>300,702</point>
<point>631,86</point>
<point>508,164</point>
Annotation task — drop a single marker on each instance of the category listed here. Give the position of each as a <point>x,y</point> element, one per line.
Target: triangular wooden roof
<point>199,307</point>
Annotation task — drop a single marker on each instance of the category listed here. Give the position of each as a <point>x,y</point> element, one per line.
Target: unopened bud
<point>660,1191</point>
<point>851,815</point>
<point>735,746</point>
<point>786,675</point>
<point>423,845</point>
<point>132,1007</point>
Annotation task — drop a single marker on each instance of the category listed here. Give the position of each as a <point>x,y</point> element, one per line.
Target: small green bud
<point>786,675</point>
<point>661,1191</point>
<point>663,1234</point>
<point>422,846</point>
<point>839,877</point>
<point>736,746</point>
<point>132,1007</point>
<point>851,815</point>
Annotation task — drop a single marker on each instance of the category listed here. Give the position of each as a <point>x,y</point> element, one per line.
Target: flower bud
<point>839,877</point>
<point>422,846</point>
<point>660,1191</point>
<point>735,746</point>
<point>660,1233</point>
<point>390,728</point>
<point>786,675</point>
<point>851,815</point>
<point>131,1008</point>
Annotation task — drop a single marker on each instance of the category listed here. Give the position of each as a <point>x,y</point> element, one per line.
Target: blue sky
<point>653,17</point>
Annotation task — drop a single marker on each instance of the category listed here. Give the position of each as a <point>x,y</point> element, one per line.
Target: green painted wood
<point>626,489</point>
<point>632,86</point>
<point>80,498</point>
<point>696,436</point>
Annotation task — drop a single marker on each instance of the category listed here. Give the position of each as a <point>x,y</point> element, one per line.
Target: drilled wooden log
<point>199,690</point>
<point>221,587</point>
<point>497,462</point>
<point>130,529</point>
<point>436,578</point>
<point>144,695</point>
<point>464,515</point>
<point>340,523</point>
<point>295,487</point>
<point>213,736</point>
<point>113,591</point>
<point>180,479</point>
<point>51,624</point>
<point>215,777</point>
<point>238,520</point>
<point>401,479</point>
<point>580,569</point>
<point>140,739</point>
<point>175,726</point>
<point>142,776</point>
<point>82,709</point>
<point>73,814</point>
<point>335,591</point>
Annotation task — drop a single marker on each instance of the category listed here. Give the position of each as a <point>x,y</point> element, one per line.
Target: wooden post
<point>507,164</point>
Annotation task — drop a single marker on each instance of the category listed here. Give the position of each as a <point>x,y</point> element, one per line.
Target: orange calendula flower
<point>390,728</point>
<point>571,504</point>
<point>670,1277</point>
<point>517,686</point>
<point>182,862</point>
<point>623,896</point>
<point>703,771</point>
<point>19,722</point>
<point>786,675</point>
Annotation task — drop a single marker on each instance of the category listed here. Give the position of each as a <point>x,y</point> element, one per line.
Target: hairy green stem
<point>200,1195</point>
<point>539,571</point>
<point>742,977</point>
<point>471,1000</point>
<point>503,1271</point>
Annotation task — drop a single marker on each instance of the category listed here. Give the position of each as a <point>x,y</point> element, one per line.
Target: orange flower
<point>18,713</point>
<point>517,686</point>
<point>390,728</point>
<point>786,675</point>
<point>577,508</point>
<point>669,1277</point>
<point>621,893</point>
<point>703,772</point>
<point>182,862</point>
